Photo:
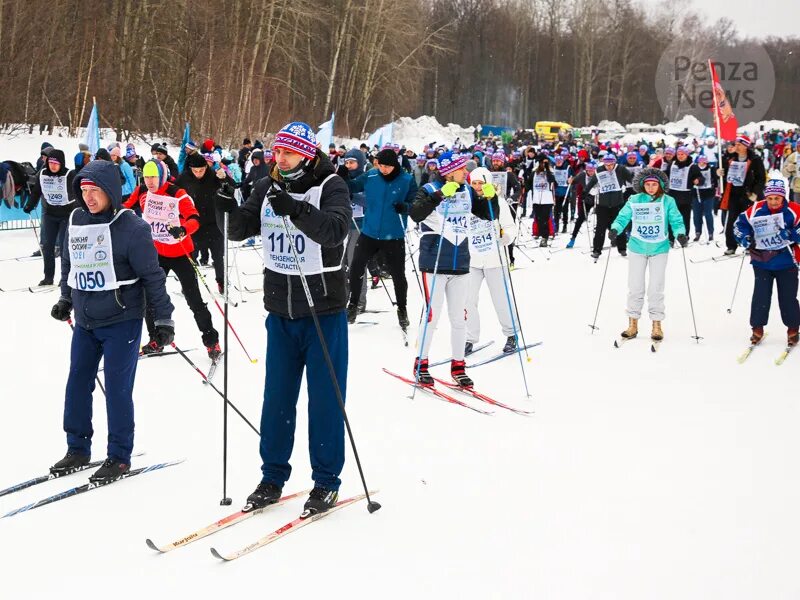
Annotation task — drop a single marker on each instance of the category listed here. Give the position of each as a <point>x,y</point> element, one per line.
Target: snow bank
<point>416,133</point>
<point>610,126</point>
<point>688,124</point>
<point>754,128</point>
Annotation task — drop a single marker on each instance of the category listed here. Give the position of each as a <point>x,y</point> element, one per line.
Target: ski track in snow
<point>641,475</point>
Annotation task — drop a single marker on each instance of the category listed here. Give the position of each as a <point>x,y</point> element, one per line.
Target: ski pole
<point>516,309</point>
<point>372,506</point>
<point>496,231</point>
<point>213,387</point>
<point>602,285</point>
<point>96,376</point>
<point>736,287</point>
<point>689,289</point>
<point>213,297</point>
<point>411,255</point>
<point>226,501</point>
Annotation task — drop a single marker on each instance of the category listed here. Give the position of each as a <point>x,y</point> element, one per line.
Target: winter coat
<point>256,173</point>
<point>482,238</point>
<point>785,254</point>
<point>754,181</point>
<point>381,220</point>
<point>357,199</point>
<point>203,192</point>
<point>791,172</point>
<point>429,210</point>
<point>187,214</point>
<point>36,192</point>
<point>130,179</point>
<point>538,195</point>
<point>672,217</point>
<point>134,257</point>
<point>611,197</point>
<point>683,196</point>
<point>328,226</point>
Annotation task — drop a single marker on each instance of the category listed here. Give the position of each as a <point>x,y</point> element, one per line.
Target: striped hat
<point>775,187</point>
<point>499,156</point>
<point>156,168</point>
<point>609,158</point>
<point>297,137</point>
<point>744,140</point>
<point>449,163</point>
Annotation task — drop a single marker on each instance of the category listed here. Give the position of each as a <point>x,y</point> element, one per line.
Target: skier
<point>633,165</point>
<point>650,211</point>
<point>442,208</point>
<point>771,230</point>
<point>563,176</point>
<point>172,231</point>
<point>610,178</point>
<point>303,188</point>
<point>744,184</point>
<point>355,162</point>
<point>540,195</point>
<point>388,194</point>
<point>159,151</point>
<point>54,186</point>
<point>704,198</point>
<point>484,263</point>
<point>585,199</point>
<point>683,175</point>
<point>108,264</point>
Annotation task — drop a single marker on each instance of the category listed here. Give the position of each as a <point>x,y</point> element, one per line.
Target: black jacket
<point>695,176</point>
<point>203,192</point>
<point>256,172</point>
<point>36,190</point>
<point>328,226</point>
<point>754,180</point>
<point>611,199</point>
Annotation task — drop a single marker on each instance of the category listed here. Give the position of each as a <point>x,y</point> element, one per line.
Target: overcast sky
<point>753,18</point>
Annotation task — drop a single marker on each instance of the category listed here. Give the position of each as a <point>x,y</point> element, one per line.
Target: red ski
<point>436,392</point>
<point>483,397</point>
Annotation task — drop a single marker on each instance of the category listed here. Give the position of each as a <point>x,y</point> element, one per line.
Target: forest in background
<point>239,67</point>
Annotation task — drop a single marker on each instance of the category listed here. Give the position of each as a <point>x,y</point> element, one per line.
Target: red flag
<point>724,119</point>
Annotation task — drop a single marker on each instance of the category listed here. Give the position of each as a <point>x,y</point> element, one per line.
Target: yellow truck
<point>549,130</point>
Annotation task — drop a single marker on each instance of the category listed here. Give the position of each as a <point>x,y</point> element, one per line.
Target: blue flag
<point>325,134</point>
<point>93,131</point>
<point>182,153</point>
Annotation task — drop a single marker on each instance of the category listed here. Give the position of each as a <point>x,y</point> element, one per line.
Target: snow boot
<point>757,335</point>
<point>511,345</point>
<point>45,282</point>
<point>696,237</point>
<point>730,251</point>
<point>421,373</point>
<point>214,352</point>
<point>352,313</point>
<point>71,461</point>
<point>543,243</point>
<point>633,328</point>
<point>152,347</point>
<point>402,317</point>
<point>468,348</point>
<point>458,374</point>
<point>362,307</point>
<point>264,495</point>
<point>622,252</point>
<point>595,254</point>
<point>511,266</point>
<point>792,336</point>
<point>564,228</point>
<point>571,243</point>
<point>657,334</point>
<point>110,470</point>
<point>319,501</point>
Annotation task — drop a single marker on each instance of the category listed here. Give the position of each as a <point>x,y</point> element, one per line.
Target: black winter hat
<point>102,154</point>
<point>195,161</point>
<point>158,147</point>
<point>388,157</point>
<point>259,154</point>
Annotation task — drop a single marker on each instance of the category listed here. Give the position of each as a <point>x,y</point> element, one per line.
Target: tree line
<point>246,67</point>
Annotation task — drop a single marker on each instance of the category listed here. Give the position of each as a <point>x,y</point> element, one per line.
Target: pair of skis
<point>654,344</point>
<point>243,515</point>
<point>778,361</point>
<point>502,355</point>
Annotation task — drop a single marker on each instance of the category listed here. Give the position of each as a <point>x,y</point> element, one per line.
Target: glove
<point>225,198</point>
<point>612,236</point>
<point>745,242</point>
<point>343,172</point>
<point>61,310</point>
<point>221,174</point>
<point>682,240</point>
<point>401,208</point>
<point>785,234</point>
<point>449,189</point>
<point>177,231</point>
<point>164,335</point>
<point>28,209</point>
<point>282,203</point>
<point>488,190</point>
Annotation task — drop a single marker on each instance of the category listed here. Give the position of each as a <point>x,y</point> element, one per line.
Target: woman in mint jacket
<point>650,211</point>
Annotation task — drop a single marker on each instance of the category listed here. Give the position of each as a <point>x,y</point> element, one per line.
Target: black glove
<point>282,203</point>
<point>61,310</point>
<point>683,240</point>
<point>28,209</point>
<point>401,208</point>
<point>226,201</point>
<point>612,236</point>
<point>164,335</point>
<point>343,172</point>
<point>177,231</point>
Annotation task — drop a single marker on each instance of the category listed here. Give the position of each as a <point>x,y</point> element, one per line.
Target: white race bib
<point>608,182</point>
<point>678,179</point>
<point>161,213</point>
<point>561,176</point>
<point>737,170</point>
<point>481,235</point>
<point>766,232</point>
<point>648,221</point>
<point>500,182</point>
<point>358,211</point>
<point>540,183</point>
<point>54,189</point>
<point>92,258</point>
<point>459,210</point>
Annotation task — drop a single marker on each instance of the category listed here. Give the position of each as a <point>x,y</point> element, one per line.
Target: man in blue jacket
<point>388,194</point>
<point>107,264</point>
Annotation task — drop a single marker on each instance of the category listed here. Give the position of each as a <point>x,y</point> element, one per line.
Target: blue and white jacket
<point>773,241</point>
<point>438,215</point>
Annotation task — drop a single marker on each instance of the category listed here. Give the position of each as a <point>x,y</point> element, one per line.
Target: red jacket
<point>189,218</point>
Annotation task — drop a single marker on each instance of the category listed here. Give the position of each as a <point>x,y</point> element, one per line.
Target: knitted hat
<point>643,148</point>
<point>683,149</point>
<point>702,158</point>
<point>775,187</point>
<point>83,147</point>
<point>267,155</point>
<point>156,168</point>
<point>190,145</point>
<point>130,151</point>
<point>195,161</point>
<point>669,150</point>
<point>297,137</point>
<point>208,145</point>
<point>632,155</point>
<point>158,147</point>
<point>744,140</point>
<point>388,157</point>
<point>480,174</point>
<point>449,163</point>
<point>257,154</point>
<point>609,158</point>
<point>591,165</point>
<point>499,156</point>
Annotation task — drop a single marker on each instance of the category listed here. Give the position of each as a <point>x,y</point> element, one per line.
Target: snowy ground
<point>658,476</point>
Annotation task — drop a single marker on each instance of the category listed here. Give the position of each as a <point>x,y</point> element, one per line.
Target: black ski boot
<point>110,470</point>
<point>511,345</point>
<point>71,461</point>
<point>402,317</point>
<point>458,374</point>
<point>352,313</point>
<point>421,373</point>
<point>319,501</point>
<point>468,348</point>
<point>45,281</point>
<point>152,347</point>
<point>264,495</point>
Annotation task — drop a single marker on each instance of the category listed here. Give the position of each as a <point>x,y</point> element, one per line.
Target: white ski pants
<point>497,290</point>
<point>638,264</point>
<point>455,288</point>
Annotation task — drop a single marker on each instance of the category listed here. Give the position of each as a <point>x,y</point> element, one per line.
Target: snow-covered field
<point>658,476</point>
